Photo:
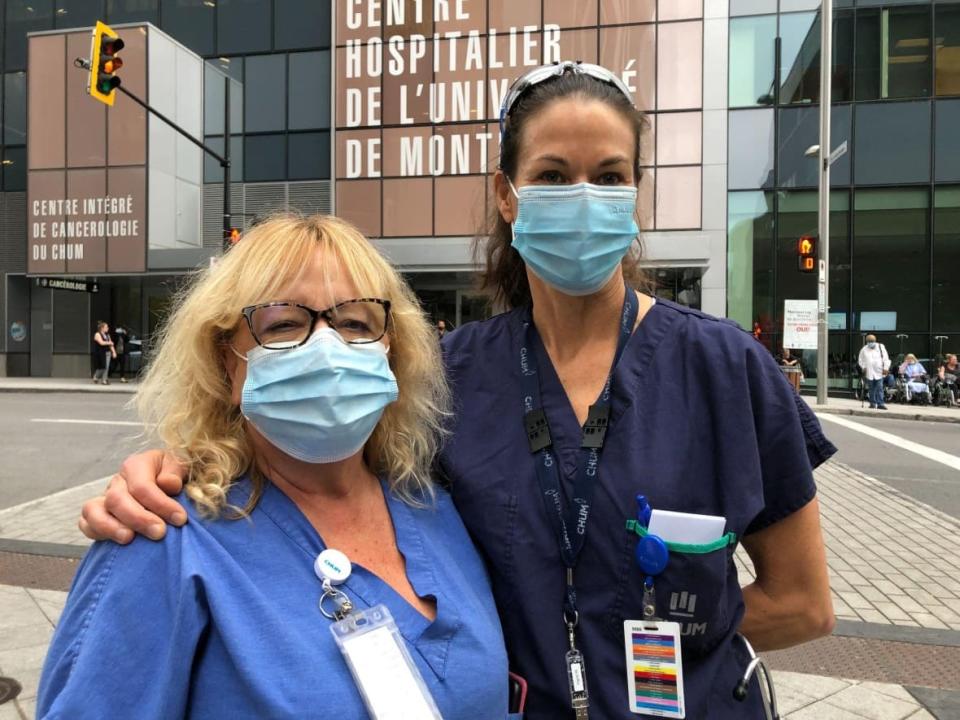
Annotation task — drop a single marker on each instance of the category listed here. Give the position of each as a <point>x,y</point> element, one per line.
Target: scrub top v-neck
<point>221,619</point>
<point>701,421</point>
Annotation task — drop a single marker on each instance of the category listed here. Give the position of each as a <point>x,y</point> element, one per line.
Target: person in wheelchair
<point>913,376</point>
<point>947,389</point>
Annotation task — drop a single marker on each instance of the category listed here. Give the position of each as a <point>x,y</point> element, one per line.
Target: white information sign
<point>800,324</point>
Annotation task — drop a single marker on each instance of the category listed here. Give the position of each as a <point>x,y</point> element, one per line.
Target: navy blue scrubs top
<point>702,421</point>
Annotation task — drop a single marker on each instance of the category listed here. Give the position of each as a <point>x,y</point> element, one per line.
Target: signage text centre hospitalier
<point>419,79</point>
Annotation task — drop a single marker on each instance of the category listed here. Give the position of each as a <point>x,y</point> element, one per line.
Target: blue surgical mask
<point>573,237</point>
<point>319,402</point>
<point>871,345</point>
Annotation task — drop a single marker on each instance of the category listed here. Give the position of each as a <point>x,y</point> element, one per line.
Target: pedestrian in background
<point>104,352</point>
<point>441,328</point>
<point>120,346</point>
<point>874,364</point>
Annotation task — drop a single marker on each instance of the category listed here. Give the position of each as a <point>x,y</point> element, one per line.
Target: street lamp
<point>825,158</point>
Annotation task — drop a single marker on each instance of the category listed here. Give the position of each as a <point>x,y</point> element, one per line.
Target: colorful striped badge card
<point>654,668</point>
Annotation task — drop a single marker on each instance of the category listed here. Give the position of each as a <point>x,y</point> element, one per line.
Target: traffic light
<point>104,63</point>
<point>807,254</point>
<point>233,235</point>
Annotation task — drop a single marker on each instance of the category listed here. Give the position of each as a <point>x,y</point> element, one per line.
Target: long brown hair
<point>504,275</point>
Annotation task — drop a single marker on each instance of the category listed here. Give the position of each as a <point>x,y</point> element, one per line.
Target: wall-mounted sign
<point>419,86</point>
<point>89,286</point>
<point>18,331</point>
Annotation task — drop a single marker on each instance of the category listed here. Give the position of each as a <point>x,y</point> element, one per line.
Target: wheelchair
<point>945,393</point>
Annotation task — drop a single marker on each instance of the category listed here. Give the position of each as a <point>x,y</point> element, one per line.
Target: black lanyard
<point>570,522</point>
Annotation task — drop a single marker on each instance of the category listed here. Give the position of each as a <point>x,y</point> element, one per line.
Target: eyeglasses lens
<point>278,327</point>
<point>359,322</point>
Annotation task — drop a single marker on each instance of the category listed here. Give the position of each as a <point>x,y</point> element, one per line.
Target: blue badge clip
<point>652,555</point>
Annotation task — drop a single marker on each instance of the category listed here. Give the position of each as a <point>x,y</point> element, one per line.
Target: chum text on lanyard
<point>569,519</point>
<point>371,644</point>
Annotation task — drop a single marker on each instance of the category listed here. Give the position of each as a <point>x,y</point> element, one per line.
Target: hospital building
<point>386,112</point>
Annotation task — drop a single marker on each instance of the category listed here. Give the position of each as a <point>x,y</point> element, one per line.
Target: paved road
<point>926,480</point>
<point>42,457</point>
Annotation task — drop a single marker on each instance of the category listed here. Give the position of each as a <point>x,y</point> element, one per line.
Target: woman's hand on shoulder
<point>137,500</point>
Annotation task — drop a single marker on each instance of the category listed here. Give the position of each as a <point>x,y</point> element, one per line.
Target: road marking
<point>923,450</point>
<point>125,423</point>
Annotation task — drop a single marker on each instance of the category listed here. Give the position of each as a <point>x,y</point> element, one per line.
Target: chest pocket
<point>693,591</point>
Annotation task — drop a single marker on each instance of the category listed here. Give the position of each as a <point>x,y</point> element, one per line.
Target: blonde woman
<point>301,386</point>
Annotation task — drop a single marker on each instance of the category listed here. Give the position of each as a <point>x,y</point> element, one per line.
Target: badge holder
<point>652,646</point>
<point>389,682</point>
<point>385,675</point>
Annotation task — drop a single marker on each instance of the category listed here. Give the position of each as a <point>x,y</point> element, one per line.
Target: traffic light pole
<point>227,210</point>
<point>823,271</point>
<point>224,159</point>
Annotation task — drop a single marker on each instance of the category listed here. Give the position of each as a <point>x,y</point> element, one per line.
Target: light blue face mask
<point>319,402</point>
<point>573,237</point>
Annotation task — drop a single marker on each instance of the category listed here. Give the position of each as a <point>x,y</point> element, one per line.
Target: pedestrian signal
<point>807,254</point>
<point>104,63</point>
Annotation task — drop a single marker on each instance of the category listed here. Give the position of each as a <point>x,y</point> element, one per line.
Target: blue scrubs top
<point>702,421</point>
<point>220,620</point>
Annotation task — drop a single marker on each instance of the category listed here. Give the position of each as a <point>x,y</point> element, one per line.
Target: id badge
<point>654,668</point>
<point>389,682</point>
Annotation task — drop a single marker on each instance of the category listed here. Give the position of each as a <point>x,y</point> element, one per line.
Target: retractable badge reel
<point>652,646</point>
<point>369,640</point>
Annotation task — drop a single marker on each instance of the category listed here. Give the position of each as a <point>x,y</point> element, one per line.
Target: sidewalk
<point>51,385</point>
<point>896,592</point>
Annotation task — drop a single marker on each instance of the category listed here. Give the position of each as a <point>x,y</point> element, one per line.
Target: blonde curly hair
<point>186,393</point>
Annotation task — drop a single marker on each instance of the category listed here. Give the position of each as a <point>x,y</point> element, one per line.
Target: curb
<point>887,416</point>
<point>123,390</point>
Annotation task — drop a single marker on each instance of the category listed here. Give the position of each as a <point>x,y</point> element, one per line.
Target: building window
<point>946,259</point>
<point>800,58</point>
<point>301,24</point>
<point>190,22</point>
<point>22,17</point>
<point>264,158</point>
<point>946,148</point>
<point>891,258</point>
<point>213,89</point>
<point>892,143</point>
<point>124,11</point>
<point>265,90</point>
<point>309,156</point>
<point>308,90</point>
<point>750,259</point>
<point>799,128</point>
<point>750,149</point>
<point>797,215</point>
<point>212,172</point>
<point>243,26</point>
<point>15,106</point>
<point>893,53</point>
<point>14,169</point>
<point>947,34</point>
<point>752,48</point>
<point>78,13</point>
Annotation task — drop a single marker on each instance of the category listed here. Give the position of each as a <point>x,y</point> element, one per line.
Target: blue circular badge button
<point>652,555</point>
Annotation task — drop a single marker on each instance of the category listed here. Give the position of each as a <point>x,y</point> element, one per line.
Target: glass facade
<point>895,203</point>
<point>278,48</point>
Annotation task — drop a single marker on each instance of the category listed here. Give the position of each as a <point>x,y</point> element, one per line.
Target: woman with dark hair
<point>582,415</point>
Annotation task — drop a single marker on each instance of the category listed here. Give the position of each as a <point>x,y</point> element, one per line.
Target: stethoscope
<point>757,667</point>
